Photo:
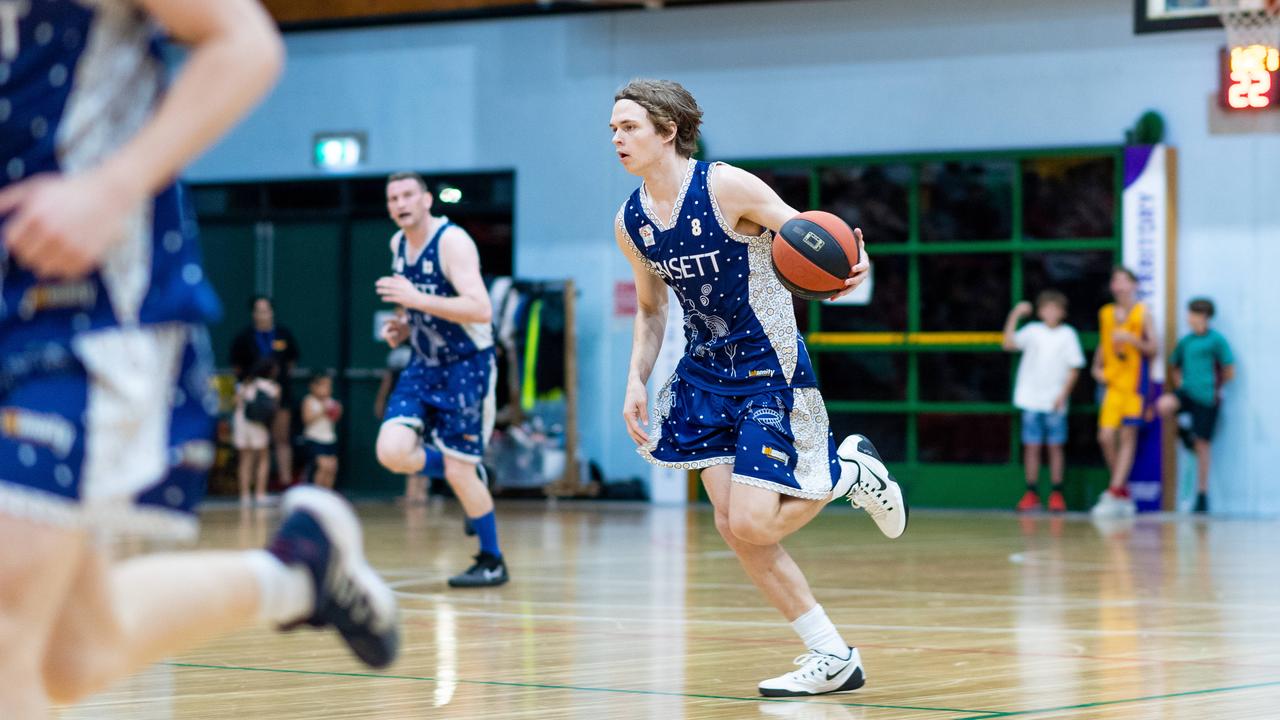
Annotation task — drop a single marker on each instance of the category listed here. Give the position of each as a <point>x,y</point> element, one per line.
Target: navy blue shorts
<point>452,405</point>
<point>118,439</point>
<point>317,449</point>
<point>778,440</point>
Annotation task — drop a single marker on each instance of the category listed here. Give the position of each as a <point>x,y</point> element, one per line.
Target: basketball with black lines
<point>813,253</point>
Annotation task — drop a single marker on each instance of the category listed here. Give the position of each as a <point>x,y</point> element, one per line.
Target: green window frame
<point>956,484</point>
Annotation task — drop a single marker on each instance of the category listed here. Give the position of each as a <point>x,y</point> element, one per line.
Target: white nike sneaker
<point>819,674</point>
<point>867,484</point>
<point>1112,506</point>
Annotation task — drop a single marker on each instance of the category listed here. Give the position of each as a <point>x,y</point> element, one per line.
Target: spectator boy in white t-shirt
<point>1051,362</point>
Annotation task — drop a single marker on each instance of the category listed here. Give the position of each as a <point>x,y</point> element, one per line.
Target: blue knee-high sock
<point>487,531</point>
<point>434,465</point>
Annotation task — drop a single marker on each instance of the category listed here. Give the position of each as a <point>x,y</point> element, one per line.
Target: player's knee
<point>724,527</point>
<point>747,527</point>
<point>327,463</point>
<point>459,472</point>
<point>1167,405</point>
<point>395,457</point>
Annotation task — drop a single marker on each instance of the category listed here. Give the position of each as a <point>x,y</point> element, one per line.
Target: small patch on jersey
<point>646,234</point>
<point>428,266</point>
<point>471,438</point>
<point>775,454</point>
<point>761,373</point>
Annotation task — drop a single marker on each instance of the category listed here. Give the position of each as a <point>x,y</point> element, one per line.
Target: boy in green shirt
<point>1200,365</point>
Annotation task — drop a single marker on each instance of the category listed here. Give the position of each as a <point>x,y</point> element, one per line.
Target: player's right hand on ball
<point>635,410</point>
<point>395,331</point>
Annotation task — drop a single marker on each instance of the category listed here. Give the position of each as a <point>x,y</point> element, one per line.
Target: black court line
<point>579,688</point>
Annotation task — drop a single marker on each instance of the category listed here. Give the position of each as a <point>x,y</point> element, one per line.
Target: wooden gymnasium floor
<point>620,611</point>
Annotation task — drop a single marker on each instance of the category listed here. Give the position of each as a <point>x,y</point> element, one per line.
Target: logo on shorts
<point>775,454</point>
<point>51,431</point>
<point>471,438</point>
<point>81,294</point>
<point>767,416</point>
<point>760,373</point>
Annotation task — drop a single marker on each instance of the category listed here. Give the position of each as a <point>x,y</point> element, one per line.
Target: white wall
<point>791,78</point>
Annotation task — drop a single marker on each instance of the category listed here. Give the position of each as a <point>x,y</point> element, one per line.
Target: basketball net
<point>1251,24</point>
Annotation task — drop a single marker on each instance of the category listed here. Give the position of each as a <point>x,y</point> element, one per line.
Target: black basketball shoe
<point>320,532</point>
<point>489,570</point>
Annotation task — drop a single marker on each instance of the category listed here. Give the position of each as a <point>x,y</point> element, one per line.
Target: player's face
<point>635,138</point>
<point>407,202</point>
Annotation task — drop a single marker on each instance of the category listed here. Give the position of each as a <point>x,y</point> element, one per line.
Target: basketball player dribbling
<point>105,423</point>
<point>743,406</point>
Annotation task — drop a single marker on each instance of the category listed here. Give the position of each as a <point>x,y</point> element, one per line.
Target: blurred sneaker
<point>488,571</point>
<point>321,533</point>
<point>1202,503</point>
<point>1030,501</point>
<point>1116,504</point>
<point>1057,503</point>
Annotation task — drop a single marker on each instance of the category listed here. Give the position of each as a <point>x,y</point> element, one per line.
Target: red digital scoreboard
<point>1250,78</point>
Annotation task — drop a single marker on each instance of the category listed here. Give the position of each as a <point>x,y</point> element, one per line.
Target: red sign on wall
<point>624,299</point>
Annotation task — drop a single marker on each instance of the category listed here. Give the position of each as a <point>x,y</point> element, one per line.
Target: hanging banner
<point>1145,251</point>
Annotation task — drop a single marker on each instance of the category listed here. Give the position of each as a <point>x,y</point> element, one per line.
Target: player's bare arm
<point>62,225</point>
<point>462,267</point>
<point>650,327</point>
<point>750,206</point>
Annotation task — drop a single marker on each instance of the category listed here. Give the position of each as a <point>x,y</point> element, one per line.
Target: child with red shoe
<point>1051,362</point>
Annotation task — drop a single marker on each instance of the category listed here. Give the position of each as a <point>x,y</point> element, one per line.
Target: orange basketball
<point>813,253</point>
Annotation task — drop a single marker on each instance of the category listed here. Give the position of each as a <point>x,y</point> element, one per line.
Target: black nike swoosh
<point>836,673</point>
<point>883,484</point>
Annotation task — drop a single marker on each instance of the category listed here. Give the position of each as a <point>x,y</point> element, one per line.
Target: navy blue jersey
<point>77,80</point>
<point>739,325</point>
<point>436,340</point>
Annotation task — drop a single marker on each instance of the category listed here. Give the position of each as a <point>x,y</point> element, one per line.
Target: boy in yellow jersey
<point>1126,343</point>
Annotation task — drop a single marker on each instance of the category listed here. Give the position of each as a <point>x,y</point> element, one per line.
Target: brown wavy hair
<point>669,106</point>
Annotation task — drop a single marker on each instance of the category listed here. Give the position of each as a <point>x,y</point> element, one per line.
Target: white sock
<point>818,633</point>
<point>285,591</point>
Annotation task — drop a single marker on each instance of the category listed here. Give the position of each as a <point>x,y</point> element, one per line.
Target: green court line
<point>1126,701</point>
<point>579,688</point>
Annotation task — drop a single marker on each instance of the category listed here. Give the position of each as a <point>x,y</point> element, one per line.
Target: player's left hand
<point>397,290</point>
<point>61,226</point>
<point>858,273</point>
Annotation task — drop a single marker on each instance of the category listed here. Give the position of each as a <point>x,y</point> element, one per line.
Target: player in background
<point>441,411</point>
